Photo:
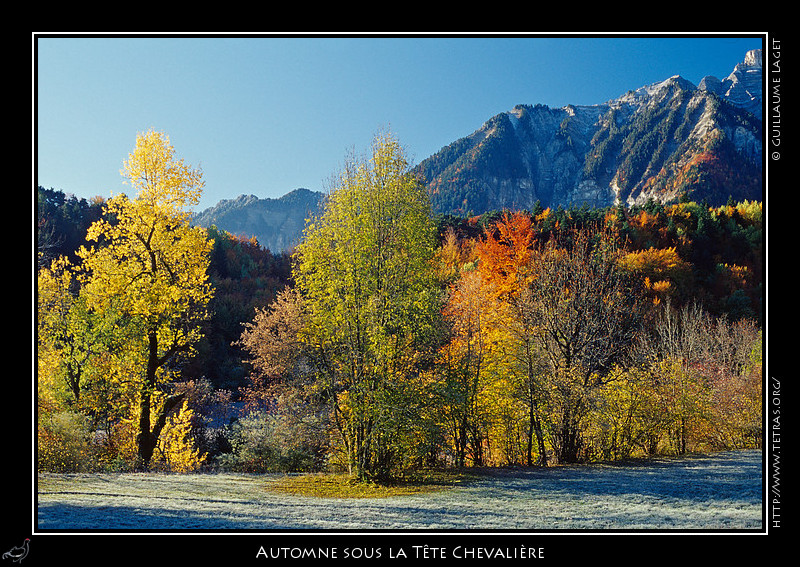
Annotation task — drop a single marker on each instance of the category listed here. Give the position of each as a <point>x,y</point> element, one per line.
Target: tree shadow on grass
<point>731,475</point>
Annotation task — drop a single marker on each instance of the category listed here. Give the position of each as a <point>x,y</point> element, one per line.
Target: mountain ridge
<point>661,141</point>
<point>656,142</point>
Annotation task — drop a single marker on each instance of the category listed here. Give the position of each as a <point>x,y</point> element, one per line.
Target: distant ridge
<point>277,224</point>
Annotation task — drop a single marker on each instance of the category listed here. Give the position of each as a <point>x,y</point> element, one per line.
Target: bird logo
<point>17,554</point>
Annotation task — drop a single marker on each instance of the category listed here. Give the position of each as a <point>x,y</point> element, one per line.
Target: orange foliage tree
<point>506,260</point>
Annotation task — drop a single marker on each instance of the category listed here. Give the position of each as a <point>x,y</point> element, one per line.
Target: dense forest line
<point>392,339</point>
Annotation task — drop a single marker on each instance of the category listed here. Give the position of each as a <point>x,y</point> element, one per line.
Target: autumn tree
<point>709,377</point>
<point>81,367</point>
<point>506,259</point>
<point>505,254</point>
<point>665,272</point>
<point>62,357</point>
<point>453,256</point>
<point>149,264</point>
<point>586,314</point>
<point>64,331</point>
<point>631,412</point>
<point>281,396</point>
<point>366,276</point>
<point>462,365</point>
<point>274,347</point>
<point>734,371</point>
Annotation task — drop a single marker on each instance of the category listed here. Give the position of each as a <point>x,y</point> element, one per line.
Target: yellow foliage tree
<point>150,264</point>
<point>630,414</point>
<point>507,261</point>
<point>469,314</point>
<point>665,271</point>
<point>53,305</point>
<point>176,446</point>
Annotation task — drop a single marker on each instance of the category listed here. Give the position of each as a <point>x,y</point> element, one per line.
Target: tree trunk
<point>147,437</point>
<point>540,441</point>
<point>144,441</point>
<point>570,438</point>
<point>535,425</point>
<point>461,444</point>
<point>531,427</point>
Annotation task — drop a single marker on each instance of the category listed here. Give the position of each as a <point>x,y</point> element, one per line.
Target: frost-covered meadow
<point>720,491</point>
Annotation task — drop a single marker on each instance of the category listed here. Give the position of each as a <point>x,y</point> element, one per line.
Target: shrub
<point>64,443</point>
<point>262,442</point>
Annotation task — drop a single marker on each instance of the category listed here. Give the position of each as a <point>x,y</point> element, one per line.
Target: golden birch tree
<point>150,264</point>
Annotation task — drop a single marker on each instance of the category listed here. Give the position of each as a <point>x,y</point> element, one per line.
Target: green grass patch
<point>333,485</point>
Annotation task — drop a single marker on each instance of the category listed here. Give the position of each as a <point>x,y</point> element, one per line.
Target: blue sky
<point>266,115</point>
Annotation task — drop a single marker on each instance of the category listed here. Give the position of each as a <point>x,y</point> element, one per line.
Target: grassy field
<point>720,491</point>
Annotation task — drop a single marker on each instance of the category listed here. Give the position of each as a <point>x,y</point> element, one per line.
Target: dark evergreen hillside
<point>62,222</point>
<point>716,253</point>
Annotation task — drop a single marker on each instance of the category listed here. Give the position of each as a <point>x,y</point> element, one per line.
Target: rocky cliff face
<point>657,142</point>
<point>743,87</point>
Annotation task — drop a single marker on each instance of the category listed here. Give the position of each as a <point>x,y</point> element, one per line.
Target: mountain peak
<point>658,141</point>
<point>753,58</point>
<point>743,87</point>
